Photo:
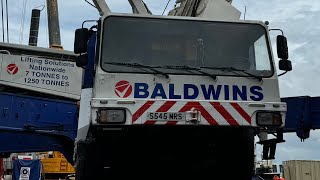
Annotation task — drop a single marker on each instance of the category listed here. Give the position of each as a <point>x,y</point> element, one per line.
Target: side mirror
<point>82,60</point>
<point>282,47</point>
<point>80,40</point>
<point>285,65</point>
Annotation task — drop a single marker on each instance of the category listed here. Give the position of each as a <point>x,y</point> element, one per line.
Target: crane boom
<point>102,7</point>
<point>138,7</point>
<point>217,9</point>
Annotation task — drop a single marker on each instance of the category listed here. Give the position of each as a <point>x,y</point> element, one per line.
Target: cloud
<point>297,20</point>
<point>299,150</point>
<point>72,13</point>
<point>295,149</point>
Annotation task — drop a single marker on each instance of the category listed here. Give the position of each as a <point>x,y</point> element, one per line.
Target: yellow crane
<point>55,165</point>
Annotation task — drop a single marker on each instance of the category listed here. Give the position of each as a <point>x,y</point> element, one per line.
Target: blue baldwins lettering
<point>257,95</point>
<point>158,91</point>
<point>191,87</point>
<point>242,93</point>
<point>141,90</point>
<point>211,91</point>
<point>226,92</point>
<point>171,93</point>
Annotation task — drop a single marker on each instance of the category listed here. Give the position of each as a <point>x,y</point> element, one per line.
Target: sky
<point>298,19</point>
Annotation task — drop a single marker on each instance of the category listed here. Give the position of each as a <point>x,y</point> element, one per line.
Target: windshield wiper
<point>214,77</point>
<point>232,69</point>
<point>137,65</point>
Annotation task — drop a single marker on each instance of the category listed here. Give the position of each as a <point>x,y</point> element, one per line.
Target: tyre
<point>88,164</point>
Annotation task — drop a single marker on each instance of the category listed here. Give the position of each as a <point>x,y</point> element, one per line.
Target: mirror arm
<point>277,30</point>
<point>282,73</point>
<point>87,21</point>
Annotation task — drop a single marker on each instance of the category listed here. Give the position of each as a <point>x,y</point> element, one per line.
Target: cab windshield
<point>206,45</point>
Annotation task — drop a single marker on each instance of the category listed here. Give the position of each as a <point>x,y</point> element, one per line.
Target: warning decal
<point>12,69</point>
<point>24,173</point>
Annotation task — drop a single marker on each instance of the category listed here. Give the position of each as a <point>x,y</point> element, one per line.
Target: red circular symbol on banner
<point>12,69</point>
<point>123,89</point>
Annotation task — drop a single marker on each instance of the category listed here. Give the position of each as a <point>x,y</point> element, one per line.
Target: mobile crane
<point>181,95</point>
<point>156,100</point>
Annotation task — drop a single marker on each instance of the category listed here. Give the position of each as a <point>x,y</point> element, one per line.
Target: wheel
<point>236,154</point>
<point>88,164</point>
<point>183,152</point>
<point>192,152</point>
<point>223,151</point>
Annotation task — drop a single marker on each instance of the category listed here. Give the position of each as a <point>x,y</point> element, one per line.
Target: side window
<point>262,54</point>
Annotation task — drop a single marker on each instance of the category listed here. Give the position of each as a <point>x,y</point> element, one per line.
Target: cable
<point>22,20</point>
<point>90,4</point>
<point>166,7</point>
<point>245,12</point>
<point>21,24</point>
<point>7,14</point>
<point>46,20</point>
<point>195,8</point>
<point>282,73</point>
<point>245,3</point>
<point>43,6</point>
<point>2,17</point>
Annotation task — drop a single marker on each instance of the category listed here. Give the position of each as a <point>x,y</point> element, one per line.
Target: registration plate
<point>166,116</point>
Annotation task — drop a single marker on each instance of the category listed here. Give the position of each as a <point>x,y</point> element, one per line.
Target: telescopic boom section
<point>102,7</point>
<point>212,9</point>
<point>53,24</point>
<point>139,7</point>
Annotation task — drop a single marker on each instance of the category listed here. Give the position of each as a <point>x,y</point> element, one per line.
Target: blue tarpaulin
<point>26,169</point>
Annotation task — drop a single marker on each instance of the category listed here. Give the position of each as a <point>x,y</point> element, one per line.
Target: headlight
<point>269,119</point>
<point>112,116</point>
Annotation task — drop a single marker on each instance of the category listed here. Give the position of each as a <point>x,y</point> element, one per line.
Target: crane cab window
<point>163,42</point>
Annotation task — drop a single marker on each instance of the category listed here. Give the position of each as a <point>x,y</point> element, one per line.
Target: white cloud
<point>297,20</point>
<point>71,15</point>
<point>295,149</point>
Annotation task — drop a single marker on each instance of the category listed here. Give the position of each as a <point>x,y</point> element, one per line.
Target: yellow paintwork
<point>57,164</point>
